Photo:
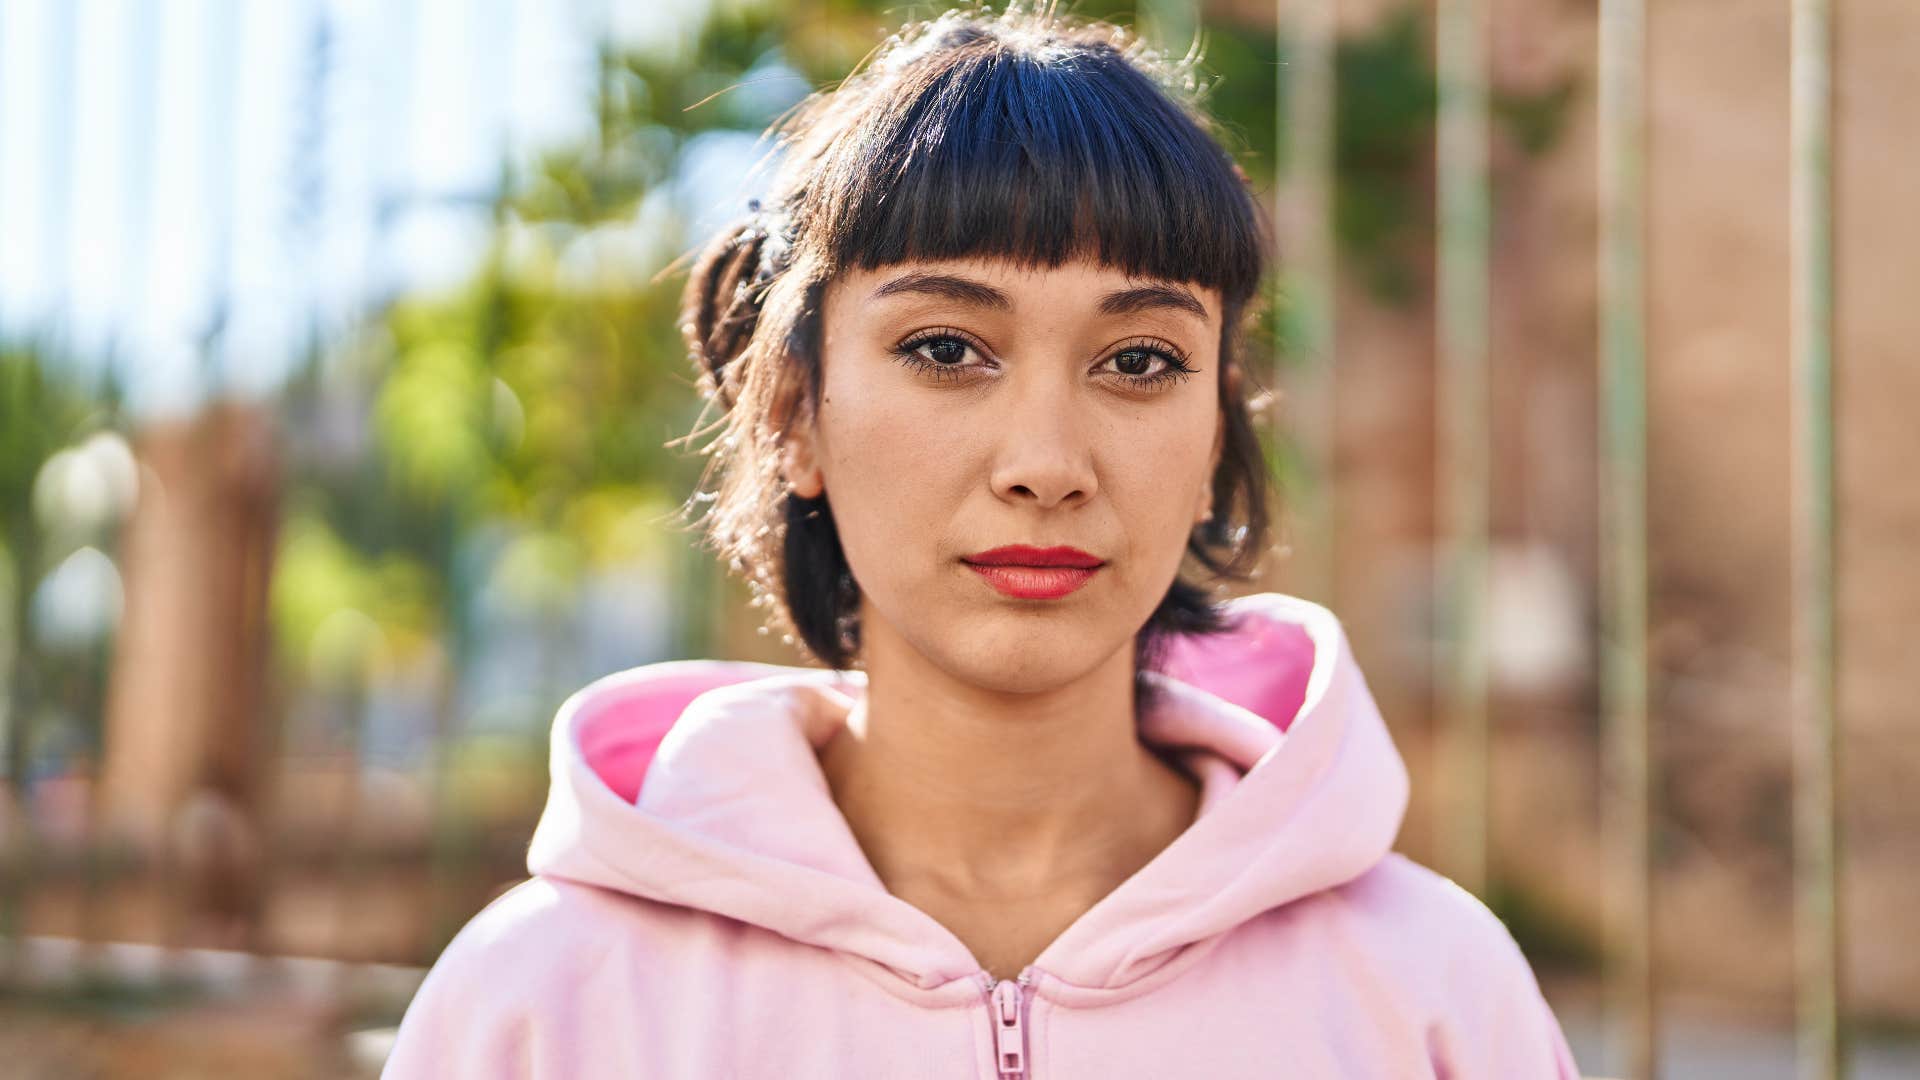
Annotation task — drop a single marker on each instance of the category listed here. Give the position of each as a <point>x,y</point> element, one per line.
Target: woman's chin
<point>1026,659</point>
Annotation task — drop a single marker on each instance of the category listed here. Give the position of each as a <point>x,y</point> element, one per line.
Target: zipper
<point>1006,999</point>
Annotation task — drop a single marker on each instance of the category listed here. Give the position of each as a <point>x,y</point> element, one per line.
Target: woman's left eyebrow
<point>1145,297</point>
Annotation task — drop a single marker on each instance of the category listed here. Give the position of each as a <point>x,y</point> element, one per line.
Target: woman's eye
<point>944,351</point>
<point>1138,366</point>
<point>939,356</point>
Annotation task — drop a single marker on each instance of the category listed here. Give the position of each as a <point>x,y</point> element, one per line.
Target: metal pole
<point>1465,457</point>
<point>1815,727</point>
<point>1628,791</point>
<point>1307,264</point>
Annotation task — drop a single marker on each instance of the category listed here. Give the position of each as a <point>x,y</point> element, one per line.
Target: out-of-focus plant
<point>344,613</point>
<point>65,479</point>
<point>44,410</point>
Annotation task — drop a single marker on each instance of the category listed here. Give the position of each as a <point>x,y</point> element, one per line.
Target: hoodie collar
<point>697,783</point>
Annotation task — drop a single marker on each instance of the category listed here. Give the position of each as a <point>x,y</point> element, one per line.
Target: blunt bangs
<point>1038,150</point>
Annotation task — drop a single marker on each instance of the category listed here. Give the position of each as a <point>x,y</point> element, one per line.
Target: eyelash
<point>1176,369</point>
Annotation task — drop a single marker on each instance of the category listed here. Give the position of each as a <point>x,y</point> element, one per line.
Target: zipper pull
<point>1009,1034</point>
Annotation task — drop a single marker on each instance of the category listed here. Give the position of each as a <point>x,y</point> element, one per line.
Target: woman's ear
<point>1213,466</point>
<point>798,462</point>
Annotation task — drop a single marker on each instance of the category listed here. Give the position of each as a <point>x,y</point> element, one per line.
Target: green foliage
<point>1383,143</point>
<point>525,393</point>
<point>433,415</point>
<point>338,613</point>
<point>1550,940</point>
<point>43,409</point>
<point>102,995</point>
<point>1238,92</point>
<point>1535,121</point>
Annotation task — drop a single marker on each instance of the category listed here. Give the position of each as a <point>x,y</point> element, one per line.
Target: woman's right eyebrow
<point>947,286</point>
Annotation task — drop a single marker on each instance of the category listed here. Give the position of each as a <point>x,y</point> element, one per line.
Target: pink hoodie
<point>699,907</point>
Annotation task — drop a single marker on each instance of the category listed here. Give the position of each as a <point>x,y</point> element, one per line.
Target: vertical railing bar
<point>1465,452</point>
<point>1627,786</point>
<point>1304,212</point>
<point>1815,734</point>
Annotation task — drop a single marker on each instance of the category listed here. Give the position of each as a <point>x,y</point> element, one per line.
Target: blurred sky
<point>298,158</point>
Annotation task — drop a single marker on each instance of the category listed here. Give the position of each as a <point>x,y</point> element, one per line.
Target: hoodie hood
<point>696,783</point>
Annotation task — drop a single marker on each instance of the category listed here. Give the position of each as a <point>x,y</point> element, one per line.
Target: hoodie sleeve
<point>1498,1025</point>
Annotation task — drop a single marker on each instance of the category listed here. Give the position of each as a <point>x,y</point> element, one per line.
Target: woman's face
<point>970,405</point>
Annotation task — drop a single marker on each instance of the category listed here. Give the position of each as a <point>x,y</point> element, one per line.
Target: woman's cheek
<point>892,462</point>
<point>891,441</point>
<point>1162,471</point>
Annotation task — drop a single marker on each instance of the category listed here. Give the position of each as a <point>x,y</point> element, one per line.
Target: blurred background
<point>338,361</point>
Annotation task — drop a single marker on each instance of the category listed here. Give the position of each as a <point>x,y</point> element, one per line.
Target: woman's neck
<point>977,796</point>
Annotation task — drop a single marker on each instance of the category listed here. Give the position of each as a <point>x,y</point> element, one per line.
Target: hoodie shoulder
<point>532,929</point>
<point>1430,906</point>
<point>1487,1016</point>
<point>521,958</point>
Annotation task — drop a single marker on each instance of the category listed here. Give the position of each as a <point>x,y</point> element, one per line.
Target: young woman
<point>1046,810</point>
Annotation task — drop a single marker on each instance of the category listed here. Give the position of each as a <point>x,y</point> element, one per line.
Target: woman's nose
<point>1044,451</point>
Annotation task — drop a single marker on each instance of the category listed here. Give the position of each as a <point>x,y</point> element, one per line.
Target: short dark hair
<point>1026,136</point>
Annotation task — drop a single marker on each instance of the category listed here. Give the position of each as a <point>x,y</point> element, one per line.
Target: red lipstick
<point>1031,573</point>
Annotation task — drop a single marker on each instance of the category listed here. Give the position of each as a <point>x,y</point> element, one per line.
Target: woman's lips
<point>1035,582</point>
